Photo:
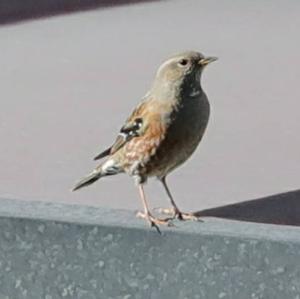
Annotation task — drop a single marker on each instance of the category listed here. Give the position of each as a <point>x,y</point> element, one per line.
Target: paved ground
<point>68,83</point>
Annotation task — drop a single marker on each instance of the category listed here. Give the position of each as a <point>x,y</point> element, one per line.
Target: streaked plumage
<point>163,131</point>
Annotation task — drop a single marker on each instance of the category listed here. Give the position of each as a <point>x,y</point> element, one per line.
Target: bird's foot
<point>153,221</point>
<point>177,214</point>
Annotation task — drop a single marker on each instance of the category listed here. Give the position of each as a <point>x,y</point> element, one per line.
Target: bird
<point>162,132</point>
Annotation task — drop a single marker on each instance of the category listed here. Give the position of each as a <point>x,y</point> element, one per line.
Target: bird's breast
<point>169,140</point>
<point>185,130</point>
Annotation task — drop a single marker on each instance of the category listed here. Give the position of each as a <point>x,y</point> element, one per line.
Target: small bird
<point>162,132</point>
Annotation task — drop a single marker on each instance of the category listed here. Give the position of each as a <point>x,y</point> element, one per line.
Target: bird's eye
<point>183,62</point>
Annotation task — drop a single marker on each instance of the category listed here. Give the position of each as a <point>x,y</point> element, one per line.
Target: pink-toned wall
<point>68,82</point>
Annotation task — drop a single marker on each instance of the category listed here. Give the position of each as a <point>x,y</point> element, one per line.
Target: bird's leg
<point>154,222</point>
<point>174,211</point>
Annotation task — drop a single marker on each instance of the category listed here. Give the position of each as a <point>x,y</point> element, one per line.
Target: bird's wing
<point>133,127</point>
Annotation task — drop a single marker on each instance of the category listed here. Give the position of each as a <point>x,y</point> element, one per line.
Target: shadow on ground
<point>283,208</point>
<point>12,11</point>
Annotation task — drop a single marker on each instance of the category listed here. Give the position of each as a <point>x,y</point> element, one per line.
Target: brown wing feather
<point>122,139</point>
<point>141,150</point>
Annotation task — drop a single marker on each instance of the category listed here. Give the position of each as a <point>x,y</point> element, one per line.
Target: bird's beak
<point>207,60</point>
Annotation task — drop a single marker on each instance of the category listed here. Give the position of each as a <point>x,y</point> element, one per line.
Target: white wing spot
<point>108,164</point>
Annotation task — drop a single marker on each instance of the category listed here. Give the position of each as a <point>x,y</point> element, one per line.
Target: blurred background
<point>69,81</point>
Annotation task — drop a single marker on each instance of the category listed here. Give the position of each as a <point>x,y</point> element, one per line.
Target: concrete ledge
<point>67,251</point>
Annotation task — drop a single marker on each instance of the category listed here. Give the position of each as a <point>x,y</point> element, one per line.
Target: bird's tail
<point>88,180</point>
<point>108,167</point>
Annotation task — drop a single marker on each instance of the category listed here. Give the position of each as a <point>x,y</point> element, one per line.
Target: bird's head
<point>182,69</point>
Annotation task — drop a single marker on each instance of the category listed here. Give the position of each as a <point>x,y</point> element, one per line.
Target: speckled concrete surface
<point>90,253</point>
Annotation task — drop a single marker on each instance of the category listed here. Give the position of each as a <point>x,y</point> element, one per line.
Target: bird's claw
<point>189,216</point>
<point>155,222</point>
<point>164,211</point>
<point>176,214</point>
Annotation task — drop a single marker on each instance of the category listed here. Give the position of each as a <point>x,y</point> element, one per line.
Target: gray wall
<point>51,251</point>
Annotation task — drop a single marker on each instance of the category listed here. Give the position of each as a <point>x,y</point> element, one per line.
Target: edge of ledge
<point>92,215</point>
